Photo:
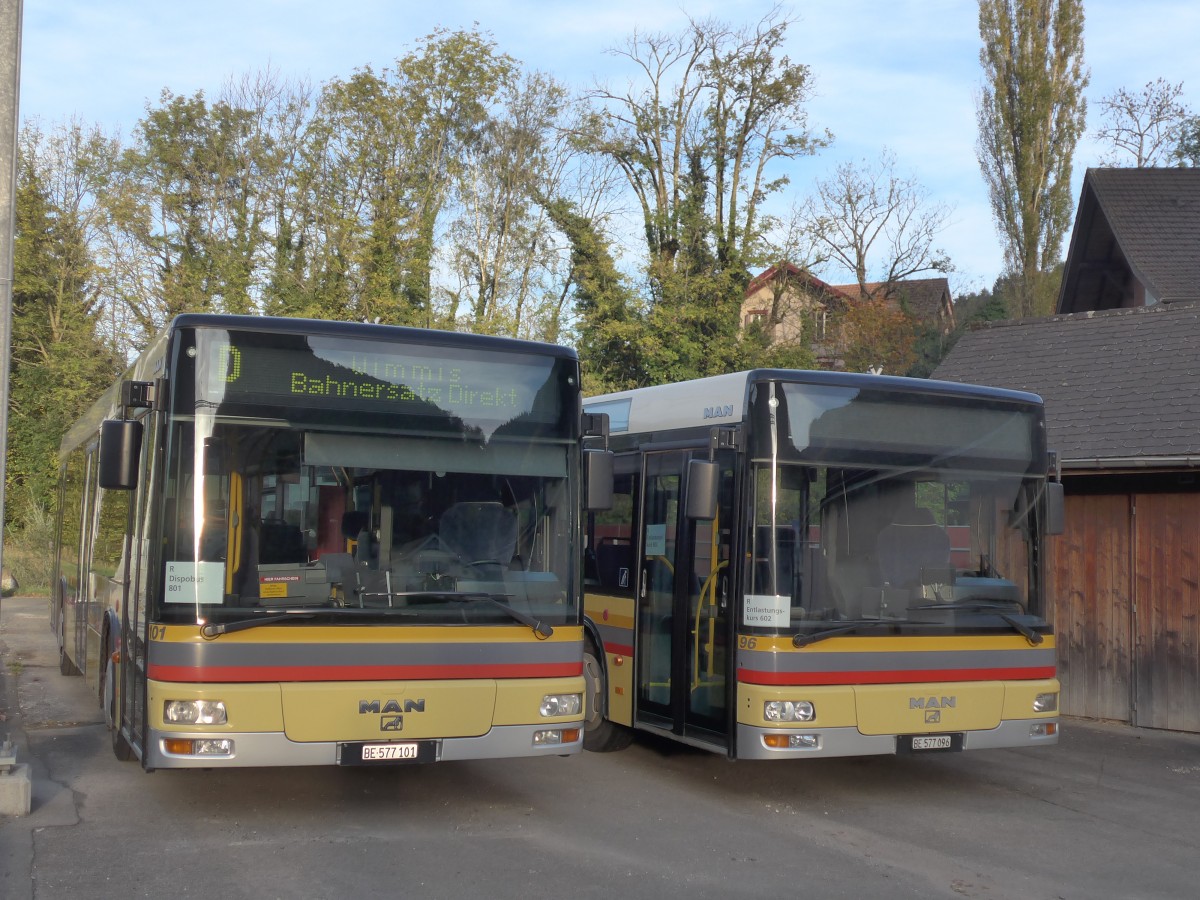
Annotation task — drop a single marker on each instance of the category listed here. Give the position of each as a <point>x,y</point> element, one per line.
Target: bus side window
<point>610,537</point>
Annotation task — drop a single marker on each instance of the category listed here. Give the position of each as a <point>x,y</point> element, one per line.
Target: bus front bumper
<point>275,749</point>
<point>752,741</point>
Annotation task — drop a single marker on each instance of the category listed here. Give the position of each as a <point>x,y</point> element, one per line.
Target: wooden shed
<point>1120,374</point>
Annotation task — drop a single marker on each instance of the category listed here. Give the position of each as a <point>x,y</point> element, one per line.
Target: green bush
<point>29,551</point>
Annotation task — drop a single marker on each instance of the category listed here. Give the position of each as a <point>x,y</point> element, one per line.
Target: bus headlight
<point>789,711</point>
<point>561,705</point>
<point>194,712</point>
<point>1045,703</point>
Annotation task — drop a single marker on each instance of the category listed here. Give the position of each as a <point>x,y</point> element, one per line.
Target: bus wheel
<point>599,734</point>
<point>121,748</point>
<point>65,666</point>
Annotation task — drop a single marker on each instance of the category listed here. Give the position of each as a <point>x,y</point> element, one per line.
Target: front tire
<point>599,734</point>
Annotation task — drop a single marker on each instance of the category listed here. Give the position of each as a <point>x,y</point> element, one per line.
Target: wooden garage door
<point>1089,582</point>
<point>1167,636</point>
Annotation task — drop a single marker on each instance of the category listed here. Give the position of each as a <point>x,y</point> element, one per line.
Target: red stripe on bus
<point>618,649</point>
<point>225,674</point>
<point>751,676</point>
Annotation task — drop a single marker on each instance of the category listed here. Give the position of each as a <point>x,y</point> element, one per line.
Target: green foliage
<point>1031,114</point>
<point>1187,151</point>
<point>695,141</point>
<point>611,333</point>
<point>58,363</point>
<point>758,352</point>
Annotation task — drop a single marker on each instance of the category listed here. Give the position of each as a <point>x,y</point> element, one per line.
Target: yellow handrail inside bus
<point>233,546</point>
<point>709,588</point>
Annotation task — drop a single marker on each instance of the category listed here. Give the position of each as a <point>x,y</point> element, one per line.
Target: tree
<point>1031,113</point>
<point>877,224</point>
<point>59,361</point>
<point>385,155</point>
<point>878,336</point>
<point>196,202</point>
<point>1143,128</point>
<point>504,253</point>
<point>612,331</point>
<point>1187,148</point>
<point>696,135</point>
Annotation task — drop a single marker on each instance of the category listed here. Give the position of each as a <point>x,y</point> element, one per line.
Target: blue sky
<point>900,74</point>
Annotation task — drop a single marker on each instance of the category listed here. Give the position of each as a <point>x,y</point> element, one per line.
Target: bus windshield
<point>348,479</point>
<point>904,511</point>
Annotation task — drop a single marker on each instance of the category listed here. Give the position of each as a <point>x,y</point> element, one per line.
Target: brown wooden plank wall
<point>1089,584</point>
<point>1167,639</point>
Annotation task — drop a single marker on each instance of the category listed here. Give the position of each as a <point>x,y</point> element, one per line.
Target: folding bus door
<point>682,607</point>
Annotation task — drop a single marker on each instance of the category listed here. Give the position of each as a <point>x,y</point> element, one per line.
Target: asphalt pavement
<point>1109,813</point>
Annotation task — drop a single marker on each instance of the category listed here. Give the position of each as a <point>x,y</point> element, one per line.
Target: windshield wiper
<point>803,640</point>
<point>210,630</point>
<point>540,628</point>
<point>969,604</point>
<point>972,604</point>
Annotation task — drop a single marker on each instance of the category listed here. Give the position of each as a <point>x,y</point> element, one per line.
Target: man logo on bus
<point>367,707</point>
<point>932,702</point>
<point>718,412</point>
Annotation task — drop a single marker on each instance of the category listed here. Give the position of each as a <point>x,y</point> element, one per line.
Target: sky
<point>900,75</point>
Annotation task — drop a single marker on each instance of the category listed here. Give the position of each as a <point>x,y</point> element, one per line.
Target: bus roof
<point>372,331</point>
<point>147,366</point>
<point>721,399</point>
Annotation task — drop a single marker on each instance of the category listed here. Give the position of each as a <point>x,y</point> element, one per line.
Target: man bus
<point>289,542</point>
<point>803,564</point>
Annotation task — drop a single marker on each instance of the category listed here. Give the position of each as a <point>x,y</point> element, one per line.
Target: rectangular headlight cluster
<point>561,705</point>
<point>789,711</point>
<point>194,712</point>
<point>555,736</point>
<point>197,747</point>
<point>1044,703</point>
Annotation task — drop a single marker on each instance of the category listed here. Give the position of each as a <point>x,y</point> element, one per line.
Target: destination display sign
<point>333,372</point>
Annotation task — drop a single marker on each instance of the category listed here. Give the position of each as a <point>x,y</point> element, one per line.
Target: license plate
<point>932,742</point>
<point>389,752</point>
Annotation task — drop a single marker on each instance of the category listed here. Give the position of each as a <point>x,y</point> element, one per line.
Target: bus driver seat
<point>480,533</point>
<point>912,543</point>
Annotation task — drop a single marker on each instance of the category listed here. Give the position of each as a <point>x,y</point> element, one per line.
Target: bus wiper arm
<point>540,628</point>
<point>210,630</point>
<point>803,640</point>
<point>1030,635</point>
<point>990,606</point>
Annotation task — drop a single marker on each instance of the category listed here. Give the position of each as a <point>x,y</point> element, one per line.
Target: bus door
<point>682,606</point>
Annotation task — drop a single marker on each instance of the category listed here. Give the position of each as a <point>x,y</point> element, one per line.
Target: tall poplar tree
<point>1031,113</point>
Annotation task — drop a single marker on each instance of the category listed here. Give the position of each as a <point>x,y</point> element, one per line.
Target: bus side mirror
<point>598,478</point>
<point>1056,514</point>
<point>703,484</point>
<point>120,447</point>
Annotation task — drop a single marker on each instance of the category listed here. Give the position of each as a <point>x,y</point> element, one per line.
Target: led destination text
<point>451,394</point>
<point>366,379</point>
